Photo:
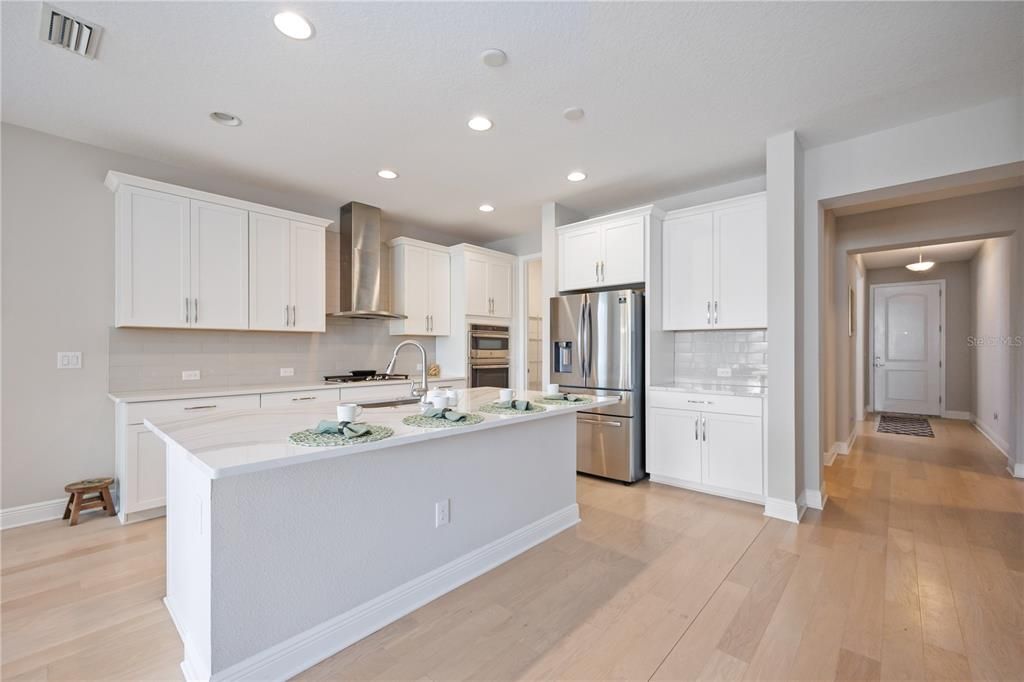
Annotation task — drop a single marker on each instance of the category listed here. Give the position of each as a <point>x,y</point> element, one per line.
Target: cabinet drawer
<point>319,395</point>
<point>182,409</point>
<point>722,404</point>
<point>363,394</point>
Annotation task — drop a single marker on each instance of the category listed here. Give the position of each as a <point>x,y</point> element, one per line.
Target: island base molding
<point>305,650</point>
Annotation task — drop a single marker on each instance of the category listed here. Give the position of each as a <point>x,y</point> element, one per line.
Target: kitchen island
<point>279,555</point>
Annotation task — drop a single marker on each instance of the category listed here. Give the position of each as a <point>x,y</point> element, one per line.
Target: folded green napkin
<point>568,397</point>
<point>521,405</point>
<point>444,413</point>
<point>348,429</point>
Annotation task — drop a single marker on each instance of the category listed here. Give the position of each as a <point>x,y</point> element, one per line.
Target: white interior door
<point>220,266</point>
<point>908,348</point>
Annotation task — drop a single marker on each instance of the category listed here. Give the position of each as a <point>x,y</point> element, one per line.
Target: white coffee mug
<point>435,392</point>
<point>439,401</point>
<point>349,412</point>
<point>506,394</point>
<point>552,389</point>
<point>453,396</point>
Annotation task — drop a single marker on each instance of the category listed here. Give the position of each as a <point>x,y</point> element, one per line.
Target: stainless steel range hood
<point>363,287</point>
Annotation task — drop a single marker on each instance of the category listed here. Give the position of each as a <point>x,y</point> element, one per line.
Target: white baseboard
<point>1017,470</point>
<point>816,499</point>
<point>306,649</point>
<point>36,512</point>
<point>829,456</point>
<point>958,414</point>
<point>1000,444</point>
<point>784,509</point>
<point>708,489</point>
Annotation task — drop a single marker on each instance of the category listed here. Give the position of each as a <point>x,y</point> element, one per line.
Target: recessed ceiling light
<point>494,57</point>
<point>480,123</point>
<point>576,176</point>
<point>921,265</point>
<point>293,25</point>
<point>387,174</point>
<point>573,114</point>
<point>226,119</point>
<point>486,208</point>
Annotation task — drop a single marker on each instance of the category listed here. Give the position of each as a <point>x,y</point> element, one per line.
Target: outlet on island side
<point>190,375</point>
<point>287,371</point>
<point>442,513</point>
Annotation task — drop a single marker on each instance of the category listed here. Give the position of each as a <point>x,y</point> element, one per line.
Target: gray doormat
<point>905,424</point>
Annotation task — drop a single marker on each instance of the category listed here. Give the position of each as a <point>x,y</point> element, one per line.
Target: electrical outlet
<point>190,375</point>
<point>725,371</point>
<point>69,359</point>
<point>287,371</point>
<point>442,513</point>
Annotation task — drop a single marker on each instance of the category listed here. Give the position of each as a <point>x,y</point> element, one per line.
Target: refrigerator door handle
<point>588,333</point>
<point>579,339</point>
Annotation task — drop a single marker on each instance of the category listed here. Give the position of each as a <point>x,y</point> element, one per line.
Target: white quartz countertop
<point>245,441</point>
<point>713,388</point>
<point>251,389</point>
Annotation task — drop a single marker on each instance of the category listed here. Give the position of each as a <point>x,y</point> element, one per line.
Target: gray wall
<point>959,323</point>
<point>992,277</point>
<point>58,294</point>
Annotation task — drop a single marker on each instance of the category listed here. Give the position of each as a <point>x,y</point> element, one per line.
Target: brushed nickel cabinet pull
<point>201,407</point>
<point>305,397</point>
<point>195,310</point>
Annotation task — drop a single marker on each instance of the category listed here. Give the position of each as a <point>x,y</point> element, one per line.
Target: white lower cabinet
<point>145,473</point>
<point>712,444</point>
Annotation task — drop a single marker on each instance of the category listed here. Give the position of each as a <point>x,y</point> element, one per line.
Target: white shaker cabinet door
<point>309,309</point>
<point>145,468</point>
<point>579,254</point>
<point>414,290</point>
<point>741,269</point>
<point>732,452</point>
<point>269,272</point>
<point>673,445</point>
<point>499,288</point>
<point>439,286</point>
<point>153,259</point>
<point>688,271</point>
<point>623,261</point>
<point>219,266</point>
<point>478,301</point>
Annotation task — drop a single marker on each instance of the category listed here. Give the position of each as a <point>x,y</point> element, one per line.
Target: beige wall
<point>969,217</point>
<point>959,323</point>
<point>58,294</point>
<point>990,271</point>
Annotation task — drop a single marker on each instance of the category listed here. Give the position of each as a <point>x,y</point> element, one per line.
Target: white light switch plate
<point>725,371</point>
<point>287,371</point>
<point>69,359</point>
<point>442,513</point>
<point>190,375</point>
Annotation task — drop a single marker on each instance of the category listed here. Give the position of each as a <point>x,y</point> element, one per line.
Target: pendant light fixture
<point>921,265</point>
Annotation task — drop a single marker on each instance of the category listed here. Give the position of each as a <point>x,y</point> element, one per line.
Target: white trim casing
<point>308,648</point>
<point>784,509</point>
<point>958,414</point>
<point>816,499</point>
<point>37,512</point>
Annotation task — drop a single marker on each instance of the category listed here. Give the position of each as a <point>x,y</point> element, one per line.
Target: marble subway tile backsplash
<point>148,359</point>
<point>701,354</point>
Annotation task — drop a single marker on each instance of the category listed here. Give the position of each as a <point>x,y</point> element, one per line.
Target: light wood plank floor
<point>915,570</point>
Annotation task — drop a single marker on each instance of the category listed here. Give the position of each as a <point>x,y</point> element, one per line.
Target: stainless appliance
<point>362,292</point>
<point>488,356</point>
<point>597,348</point>
<point>360,377</point>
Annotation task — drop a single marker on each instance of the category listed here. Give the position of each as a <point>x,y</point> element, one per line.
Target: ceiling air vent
<point>71,33</point>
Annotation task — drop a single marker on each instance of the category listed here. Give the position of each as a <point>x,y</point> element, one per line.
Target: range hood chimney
<point>360,281</point>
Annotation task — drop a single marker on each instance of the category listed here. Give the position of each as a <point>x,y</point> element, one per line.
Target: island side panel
<point>189,559</point>
<point>301,546</point>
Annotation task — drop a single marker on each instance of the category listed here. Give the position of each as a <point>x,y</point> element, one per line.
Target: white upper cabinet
<point>714,266</point>
<point>152,242</point>
<point>190,259</point>
<point>603,252</point>
<point>219,265</point>
<point>286,270</point>
<point>421,276</point>
<point>488,282</point>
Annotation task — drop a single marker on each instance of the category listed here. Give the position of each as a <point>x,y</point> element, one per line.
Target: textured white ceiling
<point>938,253</point>
<point>678,96</point>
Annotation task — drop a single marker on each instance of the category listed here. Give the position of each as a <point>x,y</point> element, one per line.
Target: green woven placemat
<point>582,401</point>
<point>312,439</point>
<point>435,423</point>
<point>491,408</point>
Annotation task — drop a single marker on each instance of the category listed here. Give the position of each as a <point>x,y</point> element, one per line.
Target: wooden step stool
<point>78,500</point>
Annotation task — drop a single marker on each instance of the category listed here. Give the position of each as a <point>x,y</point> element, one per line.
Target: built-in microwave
<point>488,342</point>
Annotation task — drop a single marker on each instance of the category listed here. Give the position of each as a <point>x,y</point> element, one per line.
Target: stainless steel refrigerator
<point>597,348</point>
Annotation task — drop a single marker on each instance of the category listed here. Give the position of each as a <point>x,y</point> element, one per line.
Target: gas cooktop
<point>353,378</point>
